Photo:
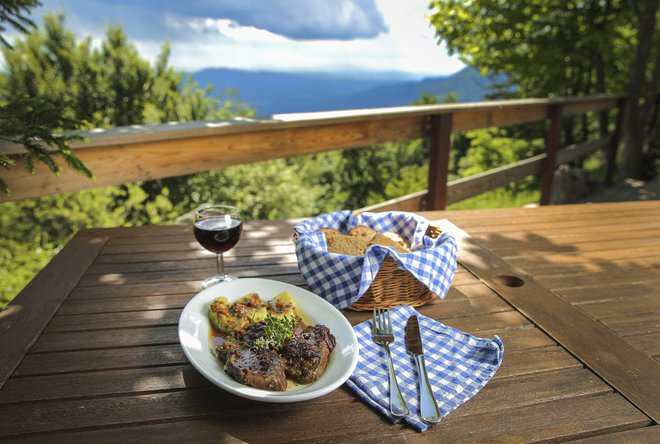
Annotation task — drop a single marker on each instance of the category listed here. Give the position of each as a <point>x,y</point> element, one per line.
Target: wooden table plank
<point>22,322</point>
<point>102,383</point>
<point>212,430</point>
<point>567,259</point>
<point>627,369</point>
<point>645,435</point>
<point>634,303</point>
<point>191,403</point>
<point>620,291</point>
<point>101,359</point>
<point>552,421</point>
<point>89,340</point>
<point>649,343</point>
<point>524,366</point>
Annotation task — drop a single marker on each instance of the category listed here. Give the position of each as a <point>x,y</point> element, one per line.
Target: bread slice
<point>363,231</point>
<point>330,231</point>
<point>390,239</point>
<point>340,243</point>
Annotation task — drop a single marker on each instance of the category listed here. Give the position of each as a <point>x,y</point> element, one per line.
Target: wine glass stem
<point>220,264</point>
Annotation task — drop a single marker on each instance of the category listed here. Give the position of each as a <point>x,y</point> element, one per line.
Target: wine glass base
<point>217,279</point>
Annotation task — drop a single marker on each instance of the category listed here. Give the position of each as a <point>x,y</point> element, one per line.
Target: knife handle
<point>428,407</point>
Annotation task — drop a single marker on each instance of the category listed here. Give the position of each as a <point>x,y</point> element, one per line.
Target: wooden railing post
<point>552,141</point>
<point>614,143</point>
<point>440,138</point>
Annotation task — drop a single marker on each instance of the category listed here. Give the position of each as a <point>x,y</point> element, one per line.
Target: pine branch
<point>15,12</point>
<point>33,123</point>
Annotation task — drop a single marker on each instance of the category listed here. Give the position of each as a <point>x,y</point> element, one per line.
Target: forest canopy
<point>550,48</point>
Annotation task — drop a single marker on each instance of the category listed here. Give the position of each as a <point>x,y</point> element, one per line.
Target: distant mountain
<point>277,92</point>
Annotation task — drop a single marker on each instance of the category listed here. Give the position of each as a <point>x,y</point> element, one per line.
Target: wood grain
<point>552,144</point>
<point>26,316</point>
<point>626,368</point>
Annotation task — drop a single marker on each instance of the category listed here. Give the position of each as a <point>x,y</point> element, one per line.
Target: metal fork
<point>382,334</point>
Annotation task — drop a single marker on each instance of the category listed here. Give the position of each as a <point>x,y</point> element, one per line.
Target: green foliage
<point>29,122</point>
<point>545,47</point>
<point>550,48</point>
<point>18,264</point>
<point>107,86</point>
<point>15,13</point>
<point>34,230</point>
<point>491,148</point>
<point>263,190</point>
<point>498,198</point>
<point>365,174</point>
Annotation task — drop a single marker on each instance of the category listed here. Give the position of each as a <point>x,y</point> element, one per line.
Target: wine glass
<point>217,228</point>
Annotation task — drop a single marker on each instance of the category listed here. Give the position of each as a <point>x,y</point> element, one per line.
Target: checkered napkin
<point>458,366</point>
<point>343,279</point>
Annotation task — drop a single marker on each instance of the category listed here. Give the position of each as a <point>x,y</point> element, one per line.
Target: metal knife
<point>428,407</point>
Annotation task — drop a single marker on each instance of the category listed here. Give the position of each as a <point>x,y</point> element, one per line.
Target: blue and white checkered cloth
<point>343,279</point>
<point>458,365</point>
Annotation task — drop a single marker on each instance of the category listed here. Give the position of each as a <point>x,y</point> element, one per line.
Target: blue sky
<point>284,35</point>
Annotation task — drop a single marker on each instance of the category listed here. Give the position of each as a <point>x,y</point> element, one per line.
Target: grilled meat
<point>252,333</point>
<point>257,367</point>
<point>302,358</point>
<point>306,355</point>
<point>226,346</point>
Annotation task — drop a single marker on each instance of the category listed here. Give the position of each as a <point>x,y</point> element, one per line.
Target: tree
<point>633,153</point>
<point>104,87</point>
<point>32,120</point>
<point>550,48</point>
<point>15,14</point>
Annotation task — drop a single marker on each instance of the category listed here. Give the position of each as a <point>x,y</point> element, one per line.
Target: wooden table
<point>90,351</point>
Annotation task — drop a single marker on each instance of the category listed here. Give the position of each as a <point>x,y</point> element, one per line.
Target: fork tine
<point>373,323</point>
<point>390,330</point>
<point>381,321</point>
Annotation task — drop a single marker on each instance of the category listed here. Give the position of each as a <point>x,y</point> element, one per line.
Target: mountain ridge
<point>272,92</point>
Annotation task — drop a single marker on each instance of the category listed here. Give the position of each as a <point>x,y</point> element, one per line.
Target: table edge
<point>26,317</point>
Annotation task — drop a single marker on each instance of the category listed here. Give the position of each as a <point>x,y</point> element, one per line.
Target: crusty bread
<point>329,231</point>
<point>343,244</point>
<point>390,239</point>
<point>363,231</point>
<point>359,239</point>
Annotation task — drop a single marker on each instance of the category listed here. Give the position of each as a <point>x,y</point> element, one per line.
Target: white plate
<point>194,332</point>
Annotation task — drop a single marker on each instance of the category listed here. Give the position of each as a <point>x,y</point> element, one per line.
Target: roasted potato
<point>228,317</point>
<point>282,305</point>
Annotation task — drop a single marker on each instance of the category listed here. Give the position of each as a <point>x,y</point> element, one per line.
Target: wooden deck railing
<point>142,152</point>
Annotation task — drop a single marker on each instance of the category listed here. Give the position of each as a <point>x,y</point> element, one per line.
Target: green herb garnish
<point>277,331</point>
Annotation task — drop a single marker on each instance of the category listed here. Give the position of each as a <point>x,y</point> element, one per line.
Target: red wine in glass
<point>218,229</point>
<point>217,236</point>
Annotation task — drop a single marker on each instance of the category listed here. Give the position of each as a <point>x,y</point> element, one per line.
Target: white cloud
<point>405,43</point>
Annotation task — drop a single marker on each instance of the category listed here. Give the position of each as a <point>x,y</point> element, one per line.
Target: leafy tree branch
<point>15,13</point>
<point>33,120</point>
<point>30,122</point>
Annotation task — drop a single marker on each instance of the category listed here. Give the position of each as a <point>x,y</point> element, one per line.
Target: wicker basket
<point>393,286</point>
